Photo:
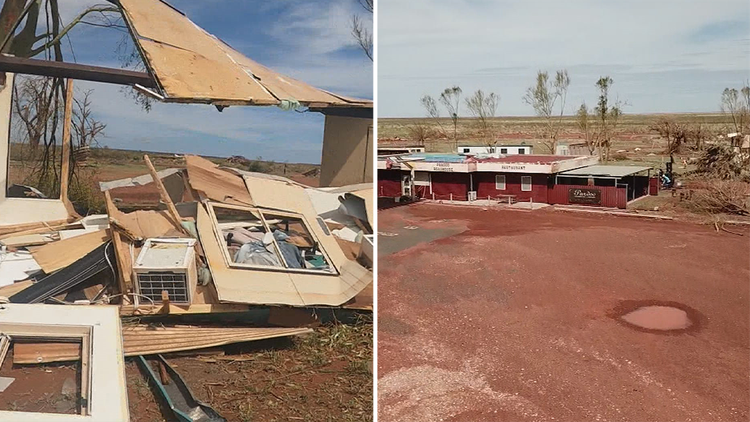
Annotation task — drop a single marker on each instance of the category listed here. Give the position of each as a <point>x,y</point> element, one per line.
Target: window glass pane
<point>298,246</point>
<point>500,182</point>
<point>526,183</point>
<point>503,150</point>
<point>246,239</point>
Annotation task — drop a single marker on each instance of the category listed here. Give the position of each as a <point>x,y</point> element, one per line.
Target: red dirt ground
<point>512,319</point>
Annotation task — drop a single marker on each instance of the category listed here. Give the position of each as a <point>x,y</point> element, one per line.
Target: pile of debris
<point>223,240</point>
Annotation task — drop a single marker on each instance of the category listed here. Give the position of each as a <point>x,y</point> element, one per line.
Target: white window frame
<point>526,186</point>
<point>97,330</point>
<point>498,184</point>
<point>261,211</point>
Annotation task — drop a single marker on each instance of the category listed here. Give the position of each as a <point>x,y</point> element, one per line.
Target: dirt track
<point>508,315</point>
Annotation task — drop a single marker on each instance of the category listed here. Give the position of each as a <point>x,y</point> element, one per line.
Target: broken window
<point>258,238</point>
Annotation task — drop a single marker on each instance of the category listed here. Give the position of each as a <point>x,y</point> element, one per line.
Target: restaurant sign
<point>584,196</point>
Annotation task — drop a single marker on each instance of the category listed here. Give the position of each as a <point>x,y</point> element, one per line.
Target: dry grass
<point>325,376</point>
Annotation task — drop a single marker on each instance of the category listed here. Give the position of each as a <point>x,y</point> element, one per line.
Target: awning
<point>191,65</point>
<point>604,171</point>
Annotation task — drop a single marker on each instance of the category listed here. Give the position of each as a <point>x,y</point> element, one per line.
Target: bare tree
<point>86,129</point>
<point>586,126</point>
<point>607,117</point>
<point>674,133</point>
<point>419,133</point>
<point>430,106</point>
<point>451,100</point>
<point>545,97</point>
<point>361,34</point>
<point>736,103</point>
<point>483,107</point>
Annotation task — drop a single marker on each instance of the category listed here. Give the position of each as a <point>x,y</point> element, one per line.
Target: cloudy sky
<point>663,55</point>
<point>308,40</point>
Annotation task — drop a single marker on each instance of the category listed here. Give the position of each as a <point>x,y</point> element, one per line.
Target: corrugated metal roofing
<point>605,171</point>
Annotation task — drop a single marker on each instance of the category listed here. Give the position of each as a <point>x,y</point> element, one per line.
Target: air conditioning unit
<point>166,265</point>
<point>472,195</point>
<point>407,190</point>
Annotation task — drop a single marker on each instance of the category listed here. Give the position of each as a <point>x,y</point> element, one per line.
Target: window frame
<point>530,184</point>
<point>521,151</point>
<point>334,271</point>
<point>503,150</point>
<point>497,182</point>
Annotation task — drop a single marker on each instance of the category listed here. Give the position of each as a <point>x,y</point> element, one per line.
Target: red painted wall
<point>611,196</point>
<point>389,183</point>
<point>484,183</point>
<point>445,184</point>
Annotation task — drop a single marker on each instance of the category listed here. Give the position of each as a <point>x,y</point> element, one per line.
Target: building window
<point>467,150</point>
<point>503,150</point>
<point>526,183</point>
<point>500,182</point>
<point>521,151</point>
<point>264,239</point>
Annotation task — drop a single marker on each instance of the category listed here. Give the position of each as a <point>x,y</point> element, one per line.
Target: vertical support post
<point>451,197</point>
<point>65,171</point>
<point>433,196</point>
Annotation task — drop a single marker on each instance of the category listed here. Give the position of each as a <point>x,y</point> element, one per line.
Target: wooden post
<point>164,195</point>
<point>164,301</point>
<point>65,172</point>
<point>163,373</point>
<point>451,197</point>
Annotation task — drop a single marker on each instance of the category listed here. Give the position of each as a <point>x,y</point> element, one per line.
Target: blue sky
<point>664,55</point>
<point>308,40</point>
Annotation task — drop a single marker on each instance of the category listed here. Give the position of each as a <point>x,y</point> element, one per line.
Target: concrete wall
<point>19,210</point>
<point>347,151</point>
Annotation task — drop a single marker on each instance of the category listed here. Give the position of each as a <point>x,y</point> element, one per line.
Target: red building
<point>517,178</point>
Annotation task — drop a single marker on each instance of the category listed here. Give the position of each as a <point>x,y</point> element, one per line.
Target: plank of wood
<point>32,228</point>
<point>144,340</point>
<point>65,171</point>
<point>11,289</point>
<point>164,194</point>
<point>215,183</point>
<point>27,240</point>
<point>54,256</point>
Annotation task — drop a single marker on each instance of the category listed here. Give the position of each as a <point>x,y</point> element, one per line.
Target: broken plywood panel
<point>147,340</point>
<point>57,255</point>
<point>216,184</point>
<point>193,65</point>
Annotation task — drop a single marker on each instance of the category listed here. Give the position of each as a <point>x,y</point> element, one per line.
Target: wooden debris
<point>146,340</point>
<point>57,255</point>
<point>216,184</point>
<point>65,171</point>
<point>164,194</point>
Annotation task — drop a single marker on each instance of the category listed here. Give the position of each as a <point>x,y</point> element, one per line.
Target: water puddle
<point>657,317</point>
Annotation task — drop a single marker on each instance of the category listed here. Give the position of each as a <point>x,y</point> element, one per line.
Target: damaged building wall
<point>14,211</point>
<point>347,151</point>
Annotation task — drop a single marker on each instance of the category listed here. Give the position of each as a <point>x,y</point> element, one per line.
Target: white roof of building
<point>605,171</point>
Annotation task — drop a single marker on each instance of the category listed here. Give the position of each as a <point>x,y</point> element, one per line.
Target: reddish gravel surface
<point>505,315</point>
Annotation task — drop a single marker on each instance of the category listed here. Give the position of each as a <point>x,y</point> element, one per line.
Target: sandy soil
<point>510,315</point>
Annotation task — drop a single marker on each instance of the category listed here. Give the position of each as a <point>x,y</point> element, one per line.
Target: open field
<point>494,315</point>
<point>632,132</point>
<point>105,164</point>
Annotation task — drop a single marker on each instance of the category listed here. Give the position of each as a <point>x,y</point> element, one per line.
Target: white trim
<point>500,185</point>
<point>526,187</point>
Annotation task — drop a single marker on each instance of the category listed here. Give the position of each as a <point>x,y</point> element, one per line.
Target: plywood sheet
<point>193,65</point>
<point>54,256</point>
<point>216,184</point>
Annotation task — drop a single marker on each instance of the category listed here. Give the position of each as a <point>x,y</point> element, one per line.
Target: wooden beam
<point>165,195</point>
<point>65,172</point>
<point>74,71</point>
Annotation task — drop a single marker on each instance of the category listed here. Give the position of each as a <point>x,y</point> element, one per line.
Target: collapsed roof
<point>186,64</point>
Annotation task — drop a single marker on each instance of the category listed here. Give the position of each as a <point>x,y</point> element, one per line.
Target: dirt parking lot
<point>495,315</point>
